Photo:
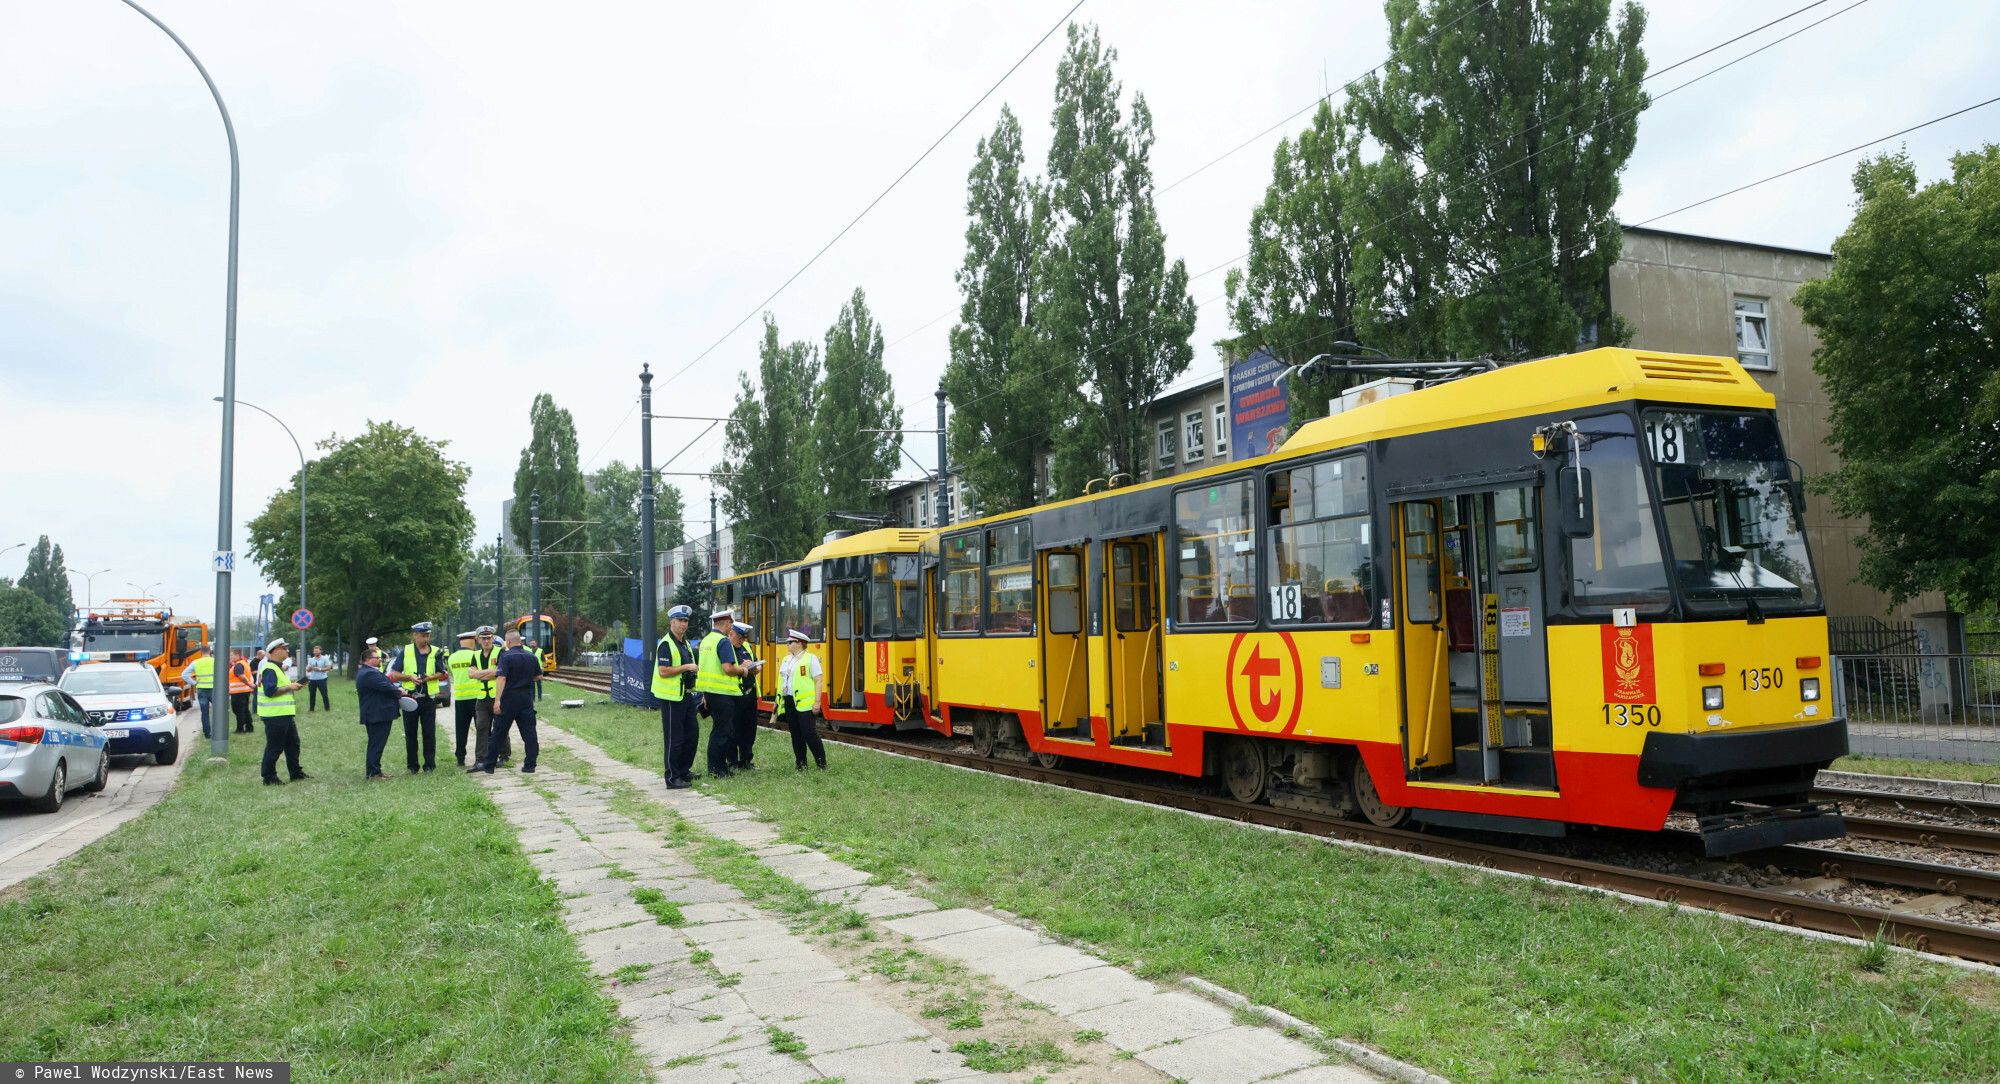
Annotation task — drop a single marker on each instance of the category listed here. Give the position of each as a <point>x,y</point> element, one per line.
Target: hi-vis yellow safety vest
<point>270,705</point>
<point>805,694</point>
<point>203,671</point>
<point>669,687</point>
<point>710,678</point>
<point>406,664</point>
<point>463,685</point>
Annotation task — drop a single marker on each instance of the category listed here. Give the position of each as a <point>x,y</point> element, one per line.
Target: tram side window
<point>1010,579</point>
<point>788,600</point>
<point>881,601</point>
<point>812,612</point>
<point>1619,564</point>
<point>960,572</point>
<point>1516,512</point>
<point>1065,589</point>
<point>1213,534</point>
<point>1317,545</point>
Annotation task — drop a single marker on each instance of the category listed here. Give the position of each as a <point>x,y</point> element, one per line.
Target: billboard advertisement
<point>1259,412</point>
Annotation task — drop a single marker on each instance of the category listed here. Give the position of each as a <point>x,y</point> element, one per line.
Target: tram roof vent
<point>1689,368</point>
<point>834,536</point>
<point>1372,392</point>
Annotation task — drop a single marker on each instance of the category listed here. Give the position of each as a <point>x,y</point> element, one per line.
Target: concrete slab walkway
<point>1176,1034</point>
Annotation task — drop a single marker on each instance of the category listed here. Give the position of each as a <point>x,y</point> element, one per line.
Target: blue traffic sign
<point>302,619</point>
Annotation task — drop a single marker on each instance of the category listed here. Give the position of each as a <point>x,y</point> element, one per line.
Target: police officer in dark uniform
<point>674,668</point>
<point>424,674</point>
<point>743,635</point>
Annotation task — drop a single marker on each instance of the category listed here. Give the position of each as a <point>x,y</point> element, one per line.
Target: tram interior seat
<point>1344,605</point>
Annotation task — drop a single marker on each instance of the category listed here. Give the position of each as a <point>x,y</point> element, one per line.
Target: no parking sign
<point>302,619</point>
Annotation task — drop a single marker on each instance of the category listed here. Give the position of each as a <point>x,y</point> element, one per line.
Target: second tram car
<point>538,633</point>
<point>1570,591</point>
<point>860,599</point>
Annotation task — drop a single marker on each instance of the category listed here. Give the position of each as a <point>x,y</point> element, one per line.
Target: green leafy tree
<point>614,514</point>
<point>389,532</point>
<point>1296,294</point>
<point>550,466</point>
<point>1115,306</point>
<point>47,578</point>
<point>1909,327</point>
<point>856,395</point>
<point>1519,118</point>
<point>28,621</point>
<point>1006,388</point>
<point>771,488</point>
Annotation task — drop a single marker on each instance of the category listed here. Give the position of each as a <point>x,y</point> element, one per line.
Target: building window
<point>1222,430</point>
<point>1753,332</point>
<point>1192,428</point>
<point>924,510</point>
<point>1166,444</point>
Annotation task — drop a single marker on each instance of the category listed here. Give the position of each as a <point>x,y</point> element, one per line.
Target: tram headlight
<point>1809,688</point>
<point>1711,698</point>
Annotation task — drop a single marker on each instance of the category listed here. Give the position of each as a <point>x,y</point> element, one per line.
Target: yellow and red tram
<point>859,597</point>
<point>1570,591</point>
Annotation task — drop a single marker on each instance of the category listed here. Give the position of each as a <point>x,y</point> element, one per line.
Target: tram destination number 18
<point>1631,715</point>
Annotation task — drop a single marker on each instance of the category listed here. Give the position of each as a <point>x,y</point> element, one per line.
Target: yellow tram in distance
<point>538,634</point>
<point>860,599</point>
<point>1570,591</point>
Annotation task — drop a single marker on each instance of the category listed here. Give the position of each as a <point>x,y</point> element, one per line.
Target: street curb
<point>1373,1060</point>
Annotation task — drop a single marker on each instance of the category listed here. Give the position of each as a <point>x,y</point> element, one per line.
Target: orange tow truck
<point>139,630</point>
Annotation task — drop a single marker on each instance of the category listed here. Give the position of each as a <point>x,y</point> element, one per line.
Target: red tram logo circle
<point>1266,683</point>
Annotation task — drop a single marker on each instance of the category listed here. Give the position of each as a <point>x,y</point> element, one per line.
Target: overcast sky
<point>451,206</point>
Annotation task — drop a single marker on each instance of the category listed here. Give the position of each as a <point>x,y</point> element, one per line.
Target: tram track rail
<point>1926,934</point>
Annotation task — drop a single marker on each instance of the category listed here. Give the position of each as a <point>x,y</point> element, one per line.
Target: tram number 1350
<point>1631,715</point>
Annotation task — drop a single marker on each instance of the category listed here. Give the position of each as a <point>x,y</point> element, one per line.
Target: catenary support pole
<point>535,573</point>
<point>649,603</point>
<point>943,508</point>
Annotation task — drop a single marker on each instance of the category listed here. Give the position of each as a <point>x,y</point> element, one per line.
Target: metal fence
<point>1926,706</point>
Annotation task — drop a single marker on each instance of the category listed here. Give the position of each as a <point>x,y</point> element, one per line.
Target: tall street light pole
<point>303,634</point>
<point>89,592</point>
<point>225,559</point>
<point>649,603</point>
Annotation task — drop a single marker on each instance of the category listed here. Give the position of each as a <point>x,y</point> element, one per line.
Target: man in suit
<point>381,706</point>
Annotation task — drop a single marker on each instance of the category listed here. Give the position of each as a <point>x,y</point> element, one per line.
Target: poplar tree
<point>1296,293</point>
<point>47,577</point>
<point>1006,389</point>
<point>550,465</point>
<point>856,395</point>
<point>1504,128</point>
<point>771,486</point>
<point>1115,309</point>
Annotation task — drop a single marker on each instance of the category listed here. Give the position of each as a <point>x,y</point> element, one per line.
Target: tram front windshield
<point>1733,529</point>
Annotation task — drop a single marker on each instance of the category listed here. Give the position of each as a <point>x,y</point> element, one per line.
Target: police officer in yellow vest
<point>200,673</point>
<point>279,710</point>
<point>420,669</point>
<point>472,677</point>
<point>798,698</point>
<point>718,678</point>
<point>674,670</point>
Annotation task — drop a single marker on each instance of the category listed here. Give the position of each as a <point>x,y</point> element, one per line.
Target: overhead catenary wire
<point>907,170</point>
<point>1055,367</point>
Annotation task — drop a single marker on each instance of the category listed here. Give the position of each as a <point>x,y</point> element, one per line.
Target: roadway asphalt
<point>31,842</point>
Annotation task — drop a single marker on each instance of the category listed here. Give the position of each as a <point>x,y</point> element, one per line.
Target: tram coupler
<point>1753,828</point>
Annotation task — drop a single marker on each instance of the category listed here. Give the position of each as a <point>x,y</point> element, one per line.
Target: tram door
<point>1420,615</point>
<point>762,612</point>
<point>1132,595</point>
<point>1065,646</point>
<point>844,648</point>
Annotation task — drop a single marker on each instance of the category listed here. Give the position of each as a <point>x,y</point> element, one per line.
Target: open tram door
<point>1065,643</point>
<point>1132,641</point>
<point>1475,657</point>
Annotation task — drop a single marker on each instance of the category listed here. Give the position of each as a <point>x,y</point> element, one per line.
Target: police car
<point>125,698</point>
<point>48,746</point>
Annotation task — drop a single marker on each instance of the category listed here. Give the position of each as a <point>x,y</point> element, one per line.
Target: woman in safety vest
<point>798,695</point>
<point>239,690</point>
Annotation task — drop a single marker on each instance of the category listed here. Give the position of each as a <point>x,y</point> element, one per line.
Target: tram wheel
<point>1049,760</point>
<point>1366,799</point>
<point>983,734</point>
<point>1244,770</point>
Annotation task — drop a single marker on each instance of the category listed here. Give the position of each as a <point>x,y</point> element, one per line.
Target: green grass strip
<point>361,931</point>
<point>1924,769</point>
<point>1473,976</point>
